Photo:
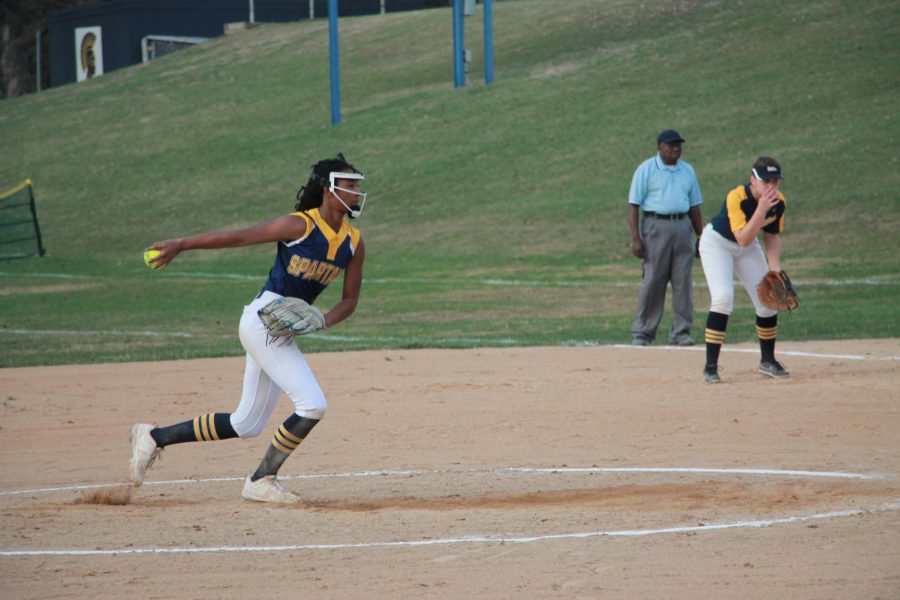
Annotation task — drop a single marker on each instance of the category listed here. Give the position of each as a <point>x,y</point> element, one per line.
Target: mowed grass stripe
<point>472,191</point>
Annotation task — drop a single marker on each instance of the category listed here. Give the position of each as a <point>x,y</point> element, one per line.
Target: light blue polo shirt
<point>665,189</point>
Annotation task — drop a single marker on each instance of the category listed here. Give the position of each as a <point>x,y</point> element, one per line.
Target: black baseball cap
<point>767,172</point>
<point>668,136</point>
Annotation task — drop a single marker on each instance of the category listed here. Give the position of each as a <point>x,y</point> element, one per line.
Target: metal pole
<point>37,227</point>
<point>334,61</point>
<point>382,7</point>
<point>488,42</point>
<point>37,60</point>
<point>252,12</point>
<point>458,72</point>
<point>312,9</point>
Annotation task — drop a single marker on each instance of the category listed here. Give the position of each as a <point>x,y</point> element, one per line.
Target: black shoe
<point>682,340</point>
<point>773,369</point>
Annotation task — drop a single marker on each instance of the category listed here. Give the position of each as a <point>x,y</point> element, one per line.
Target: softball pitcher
<point>729,245</point>
<point>315,245</point>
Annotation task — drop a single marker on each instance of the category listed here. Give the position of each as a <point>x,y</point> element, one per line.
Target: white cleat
<point>143,452</point>
<point>268,489</point>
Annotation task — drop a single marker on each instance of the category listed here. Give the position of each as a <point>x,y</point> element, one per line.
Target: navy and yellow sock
<point>716,323</point>
<point>767,331</point>
<point>207,428</point>
<point>288,438</point>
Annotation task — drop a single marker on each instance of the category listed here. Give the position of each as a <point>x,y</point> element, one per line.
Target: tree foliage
<point>20,20</point>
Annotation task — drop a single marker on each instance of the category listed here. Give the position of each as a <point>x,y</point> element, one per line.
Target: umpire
<point>666,189</point>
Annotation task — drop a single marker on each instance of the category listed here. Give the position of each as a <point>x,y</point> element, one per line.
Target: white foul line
<point>773,472</point>
<point>489,281</point>
<point>512,470</point>
<point>756,351</point>
<point>476,539</point>
<point>434,342</point>
<point>110,333</point>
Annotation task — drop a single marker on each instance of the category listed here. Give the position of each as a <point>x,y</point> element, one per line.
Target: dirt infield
<point>600,472</point>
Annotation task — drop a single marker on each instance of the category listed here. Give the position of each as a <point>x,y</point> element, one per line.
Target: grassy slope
<point>521,181</point>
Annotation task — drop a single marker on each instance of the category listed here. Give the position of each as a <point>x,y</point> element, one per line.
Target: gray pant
<point>668,256</point>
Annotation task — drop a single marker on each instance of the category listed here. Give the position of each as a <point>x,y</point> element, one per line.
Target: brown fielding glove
<point>287,317</point>
<point>777,292</point>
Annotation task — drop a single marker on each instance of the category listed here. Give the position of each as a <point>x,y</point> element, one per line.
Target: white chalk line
<point>110,333</point>
<point>503,342</point>
<point>492,281</point>
<point>455,281</point>
<point>318,336</point>
<point>702,348</point>
<point>511,470</point>
<point>166,482</point>
<point>477,539</point>
<point>474,539</point>
<point>699,470</point>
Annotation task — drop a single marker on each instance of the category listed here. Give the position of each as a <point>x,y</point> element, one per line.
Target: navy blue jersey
<point>304,267</point>
<point>737,209</point>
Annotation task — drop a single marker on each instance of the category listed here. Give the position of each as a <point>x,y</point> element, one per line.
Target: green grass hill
<point>497,214</point>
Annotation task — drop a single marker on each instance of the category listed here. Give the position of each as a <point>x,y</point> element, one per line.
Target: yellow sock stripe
<point>197,433</point>
<point>211,423</point>
<point>290,436</point>
<point>767,333</point>
<point>713,336</point>
<point>279,446</point>
<point>285,440</point>
<point>204,429</point>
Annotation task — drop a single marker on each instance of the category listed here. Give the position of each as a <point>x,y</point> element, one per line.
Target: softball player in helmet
<point>315,245</point>
<point>729,246</point>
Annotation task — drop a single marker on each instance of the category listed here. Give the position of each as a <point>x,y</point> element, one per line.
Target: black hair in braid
<point>311,195</point>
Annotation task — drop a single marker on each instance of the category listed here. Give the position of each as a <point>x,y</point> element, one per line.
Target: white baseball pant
<point>272,367</point>
<point>721,259</point>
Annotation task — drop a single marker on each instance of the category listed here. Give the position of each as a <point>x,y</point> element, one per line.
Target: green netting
<point>20,234</point>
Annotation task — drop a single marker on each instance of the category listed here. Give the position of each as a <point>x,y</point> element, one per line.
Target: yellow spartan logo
<point>315,270</point>
<point>88,58</point>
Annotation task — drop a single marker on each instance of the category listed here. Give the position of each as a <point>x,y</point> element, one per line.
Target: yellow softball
<point>150,255</point>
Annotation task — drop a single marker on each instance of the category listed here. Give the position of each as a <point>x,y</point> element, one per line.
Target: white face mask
<point>355,210</point>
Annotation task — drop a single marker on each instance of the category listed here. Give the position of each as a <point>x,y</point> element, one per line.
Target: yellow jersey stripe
<point>335,238</point>
<point>736,217</point>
